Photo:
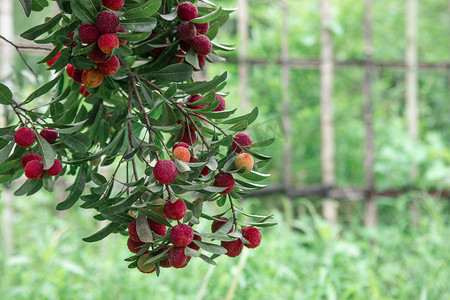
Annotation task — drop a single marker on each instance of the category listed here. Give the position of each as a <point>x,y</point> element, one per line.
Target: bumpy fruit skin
<point>202,28</point>
<point>186,31</point>
<point>244,160</point>
<point>202,44</point>
<point>55,169</point>
<point>88,33</point>
<point>193,245</point>
<point>223,179</point>
<point>107,22</point>
<point>156,227</point>
<point>110,67</point>
<point>29,157</point>
<point>34,169</point>
<point>192,99</point>
<point>24,137</point>
<point>97,56</point>
<point>132,231</point>
<point>177,258</point>
<point>76,75</point>
<point>253,235</point>
<point>165,262</point>
<point>83,91</point>
<point>165,171</point>
<point>160,208</point>
<point>49,135</point>
<point>187,11</point>
<point>222,104</point>
<point>134,246</point>
<point>53,60</point>
<point>175,211</point>
<point>69,70</point>
<point>107,42</point>
<point>92,78</point>
<point>113,4</point>
<point>181,235</point>
<point>242,139</point>
<point>216,224</point>
<point>181,144</point>
<point>234,248</point>
<point>185,46</point>
<point>145,268</point>
<point>182,154</point>
<point>205,171</point>
<point>201,62</point>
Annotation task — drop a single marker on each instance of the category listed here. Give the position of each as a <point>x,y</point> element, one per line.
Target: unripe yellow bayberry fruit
<point>244,160</point>
<point>160,208</point>
<point>143,267</point>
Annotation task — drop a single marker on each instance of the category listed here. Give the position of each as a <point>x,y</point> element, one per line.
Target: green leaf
<point>205,100</point>
<point>250,117</point>
<point>173,73</point>
<point>219,114</point>
<point>241,126</point>
<point>102,233</point>
<point>98,179</point>
<point>209,17</point>
<point>26,4</point>
<point>124,204</point>
<point>143,229</point>
<point>170,17</point>
<point>139,24</point>
<point>48,154</point>
<point>266,224</point>
<point>264,143</point>
<point>39,5</point>
<point>43,89</point>
<point>85,10</point>
<point>145,10</point>
<point>212,248</point>
<point>76,190</point>
<point>4,153</point>
<point>202,87</point>
<point>36,31</point>
<point>47,181</point>
<point>208,259</point>
<point>222,47</point>
<point>254,176</point>
<point>155,217</point>
<point>28,186</point>
<point>6,97</point>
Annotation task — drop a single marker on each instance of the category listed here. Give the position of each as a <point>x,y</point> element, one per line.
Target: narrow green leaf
<point>4,153</point>
<point>102,233</point>
<point>212,248</point>
<point>209,17</point>
<point>202,87</point>
<point>264,143</point>
<point>124,204</point>
<point>28,185</point>
<point>6,96</point>
<point>36,31</point>
<point>76,190</point>
<point>26,4</point>
<point>43,89</point>
<point>48,154</point>
<point>173,73</point>
<point>84,10</point>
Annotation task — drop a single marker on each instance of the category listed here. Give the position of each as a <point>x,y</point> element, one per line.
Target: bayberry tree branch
<point>233,211</point>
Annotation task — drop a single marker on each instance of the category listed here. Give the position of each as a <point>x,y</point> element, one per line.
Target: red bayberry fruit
<point>181,235</point>
<point>134,246</point>
<point>24,137</point>
<point>156,227</point>
<point>192,99</point>
<point>223,179</point>
<point>122,42</point>
<point>113,4</point>
<point>92,78</point>
<point>110,67</point>
<point>55,169</point>
<point>187,11</point>
<point>69,70</point>
<point>175,211</point>
<point>107,22</point>
<point>34,169</point>
<point>49,135</point>
<point>97,56</point>
<point>181,144</point>
<point>234,248</point>
<point>177,258</point>
<point>53,60</point>
<point>189,136</point>
<point>83,91</point>
<point>216,224</point>
<point>29,157</point>
<point>242,139</point>
<point>253,235</point>
<point>77,75</point>
<point>202,45</point>
<point>193,245</point>
<point>88,33</point>
<point>202,28</point>
<point>201,62</point>
<point>165,262</point>
<point>107,42</point>
<point>165,171</point>
<point>221,106</point>
<point>186,31</point>
<point>132,231</point>
<point>185,46</point>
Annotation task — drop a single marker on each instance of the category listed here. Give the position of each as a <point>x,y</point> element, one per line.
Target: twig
<point>233,211</point>
<point>210,122</point>
<point>20,54</point>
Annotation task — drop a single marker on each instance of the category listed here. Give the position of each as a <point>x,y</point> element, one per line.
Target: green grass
<point>313,261</point>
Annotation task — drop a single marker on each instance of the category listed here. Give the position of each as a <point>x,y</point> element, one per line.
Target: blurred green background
<point>304,257</point>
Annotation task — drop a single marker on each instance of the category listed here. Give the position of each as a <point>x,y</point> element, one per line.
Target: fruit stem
<point>233,211</point>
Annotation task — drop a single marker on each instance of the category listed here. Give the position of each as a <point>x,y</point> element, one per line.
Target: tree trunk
<point>329,208</point>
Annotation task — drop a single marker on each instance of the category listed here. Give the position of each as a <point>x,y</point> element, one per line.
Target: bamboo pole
<point>371,217</point>
<point>329,207</point>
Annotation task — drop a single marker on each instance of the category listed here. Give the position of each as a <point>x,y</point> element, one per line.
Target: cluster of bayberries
<point>182,236</point>
<point>32,163</point>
